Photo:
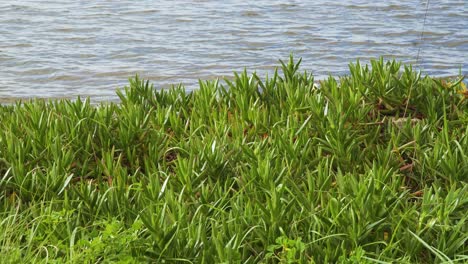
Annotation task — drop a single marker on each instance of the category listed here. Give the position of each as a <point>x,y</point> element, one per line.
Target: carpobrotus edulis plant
<point>370,167</point>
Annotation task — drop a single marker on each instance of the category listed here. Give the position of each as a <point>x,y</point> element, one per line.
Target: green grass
<point>368,168</point>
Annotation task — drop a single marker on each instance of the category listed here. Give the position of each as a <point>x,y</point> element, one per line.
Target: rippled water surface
<point>61,48</point>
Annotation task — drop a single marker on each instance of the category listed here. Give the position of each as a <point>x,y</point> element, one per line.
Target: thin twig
<point>422,32</point>
<point>417,56</point>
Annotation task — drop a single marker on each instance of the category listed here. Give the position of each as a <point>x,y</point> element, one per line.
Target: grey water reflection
<point>67,48</point>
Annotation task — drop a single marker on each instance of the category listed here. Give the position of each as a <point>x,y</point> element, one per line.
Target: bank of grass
<point>370,168</point>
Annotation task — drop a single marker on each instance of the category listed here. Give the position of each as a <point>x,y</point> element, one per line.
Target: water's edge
<point>63,49</point>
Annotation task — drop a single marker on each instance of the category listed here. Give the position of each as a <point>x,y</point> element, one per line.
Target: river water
<point>60,48</point>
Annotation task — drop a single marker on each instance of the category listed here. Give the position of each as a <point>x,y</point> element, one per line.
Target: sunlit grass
<point>371,167</point>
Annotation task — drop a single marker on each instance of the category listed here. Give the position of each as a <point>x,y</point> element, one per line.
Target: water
<point>67,48</point>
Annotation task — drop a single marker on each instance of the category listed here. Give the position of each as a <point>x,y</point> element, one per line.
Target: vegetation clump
<point>368,168</point>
